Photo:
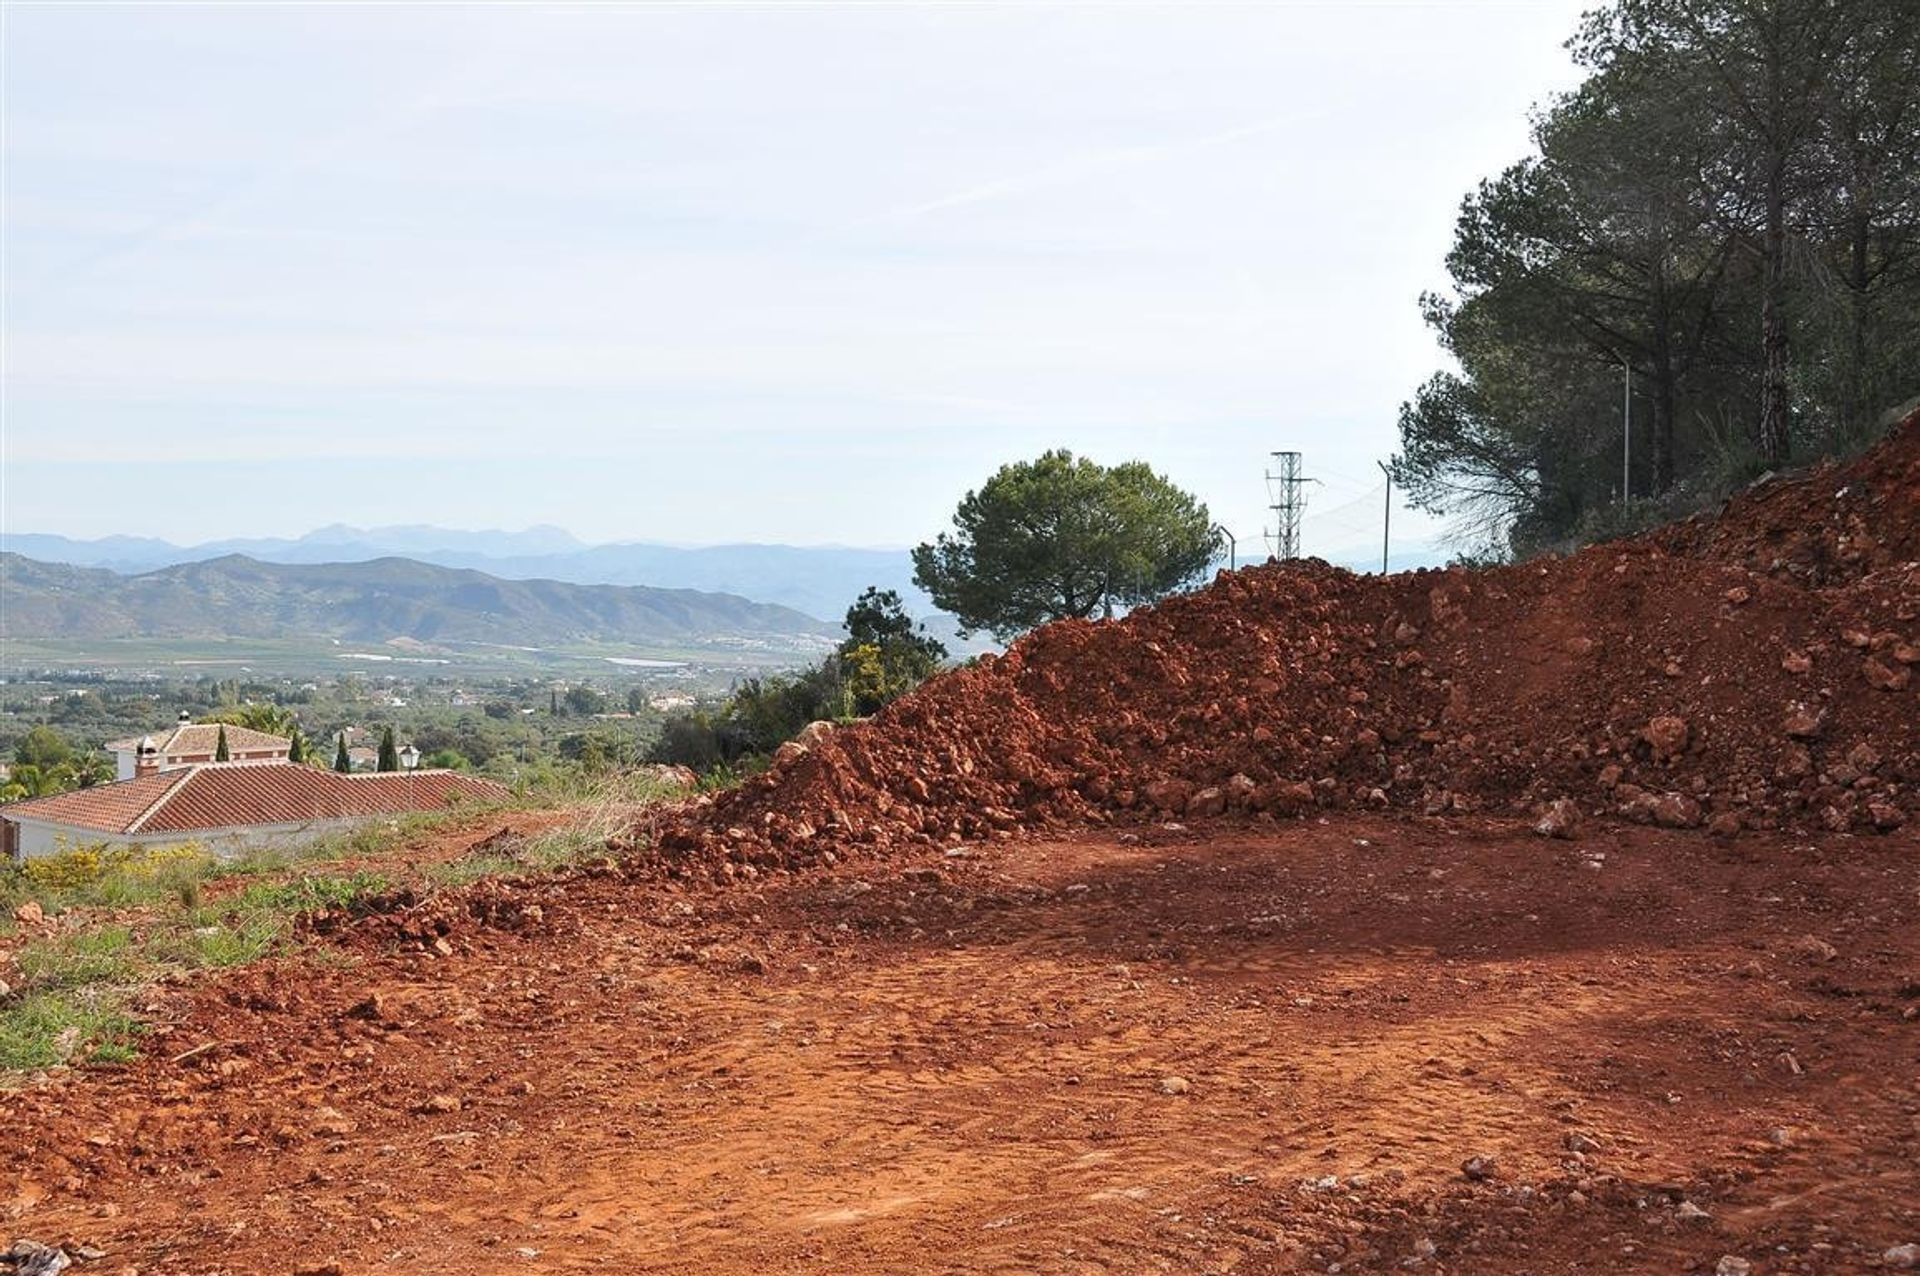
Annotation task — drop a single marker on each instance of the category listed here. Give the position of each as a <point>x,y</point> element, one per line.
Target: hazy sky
<point>706,273</point>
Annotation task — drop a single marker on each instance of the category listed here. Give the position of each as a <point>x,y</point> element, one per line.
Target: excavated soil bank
<point>1763,678</point>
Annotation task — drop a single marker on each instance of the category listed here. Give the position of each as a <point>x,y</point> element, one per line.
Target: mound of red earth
<point>1756,670</point>
<point>1832,524</point>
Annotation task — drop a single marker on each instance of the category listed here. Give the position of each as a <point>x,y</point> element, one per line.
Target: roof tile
<point>236,795</point>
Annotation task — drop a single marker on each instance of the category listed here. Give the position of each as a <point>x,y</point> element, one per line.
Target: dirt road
<point>1269,1050</point>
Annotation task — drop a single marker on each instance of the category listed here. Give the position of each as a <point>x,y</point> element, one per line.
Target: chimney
<point>186,718</point>
<point>146,757</point>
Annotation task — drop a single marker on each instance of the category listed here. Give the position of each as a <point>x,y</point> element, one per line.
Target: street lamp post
<point>410,759</point>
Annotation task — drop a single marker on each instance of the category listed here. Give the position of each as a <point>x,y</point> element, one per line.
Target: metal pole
<point>1386,518</point>
<point>1626,429</point>
<point>1233,547</point>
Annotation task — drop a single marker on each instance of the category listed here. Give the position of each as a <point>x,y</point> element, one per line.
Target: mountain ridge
<point>818,580</point>
<point>373,601</point>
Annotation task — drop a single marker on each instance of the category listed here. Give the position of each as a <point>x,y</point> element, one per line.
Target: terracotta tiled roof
<point>216,796</point>
<point>200,739</point>
<point>105,808</point>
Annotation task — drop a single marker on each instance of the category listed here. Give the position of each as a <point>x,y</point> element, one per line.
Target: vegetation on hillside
<point>884,656</point>
<point>1721,226</point>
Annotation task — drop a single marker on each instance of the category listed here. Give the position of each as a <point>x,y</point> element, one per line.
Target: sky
<point>706,273</point>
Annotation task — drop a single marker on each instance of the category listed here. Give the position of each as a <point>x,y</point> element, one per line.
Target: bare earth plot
<point>1268,1048</point>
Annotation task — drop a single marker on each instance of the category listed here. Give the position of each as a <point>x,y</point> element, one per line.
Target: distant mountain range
<point>374,602</point>
<point>818,580</point>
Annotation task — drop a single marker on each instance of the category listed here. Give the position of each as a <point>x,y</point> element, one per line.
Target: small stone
<point>1478,1168</point>
<point>1732,1265</point>
<point>1691,1212</point>
<point>1425,1248</point>
<point>1738,595</point>
<point>1675,811</point>
<point>373,1007</point>
<point>332,1123</point>
<point>1584,1145</point>
<point>1175,1085</point>
<point>30,913</point>
<point>1797,662</point>
<point>1780,1136</point>
<point>327,1268</point>
<point>440,1104</point>
<point>1902,1256</point>
<point>1168,795</point>
<point>1801,722</point>
<point>1886,816</point>
<point>1884,676</point>
<point>1813,948</point>
<point>1668,735</point>
<point>31,1258</point>
<point>1725,824</point>
<point>1561,819</point>
<point>1208,802</point>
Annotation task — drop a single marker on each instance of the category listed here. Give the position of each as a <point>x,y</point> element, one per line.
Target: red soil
<point>975,1065</point>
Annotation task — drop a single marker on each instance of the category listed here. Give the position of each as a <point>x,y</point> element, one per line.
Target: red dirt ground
<point>961,1064</point>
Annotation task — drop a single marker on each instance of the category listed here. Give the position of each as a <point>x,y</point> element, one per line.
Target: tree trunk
<point>1773,438</point>
<point>1663,379</point>
<point>1856,407</point>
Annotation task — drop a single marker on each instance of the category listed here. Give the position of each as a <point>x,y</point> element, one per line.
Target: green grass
<point>71,1004</point>
<point>44,1029</point>
<point>71,1000</point>
<point>601,811</point>
<point>474,868</point>
<point>102,956</point>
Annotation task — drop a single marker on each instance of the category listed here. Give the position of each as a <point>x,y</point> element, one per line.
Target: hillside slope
<point>369,602</point>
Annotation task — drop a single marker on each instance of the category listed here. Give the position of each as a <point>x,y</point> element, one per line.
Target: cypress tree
<point>341,762</point>
<point>389,752</point>
<point>297,748</point>
<point>220,753</point>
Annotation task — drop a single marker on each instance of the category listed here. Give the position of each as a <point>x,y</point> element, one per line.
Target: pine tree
<point>389,752</point>
<point>220,752</point>
<point>341,762</point>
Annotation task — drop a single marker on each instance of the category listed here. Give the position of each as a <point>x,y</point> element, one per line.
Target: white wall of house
<point>39,838</point>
